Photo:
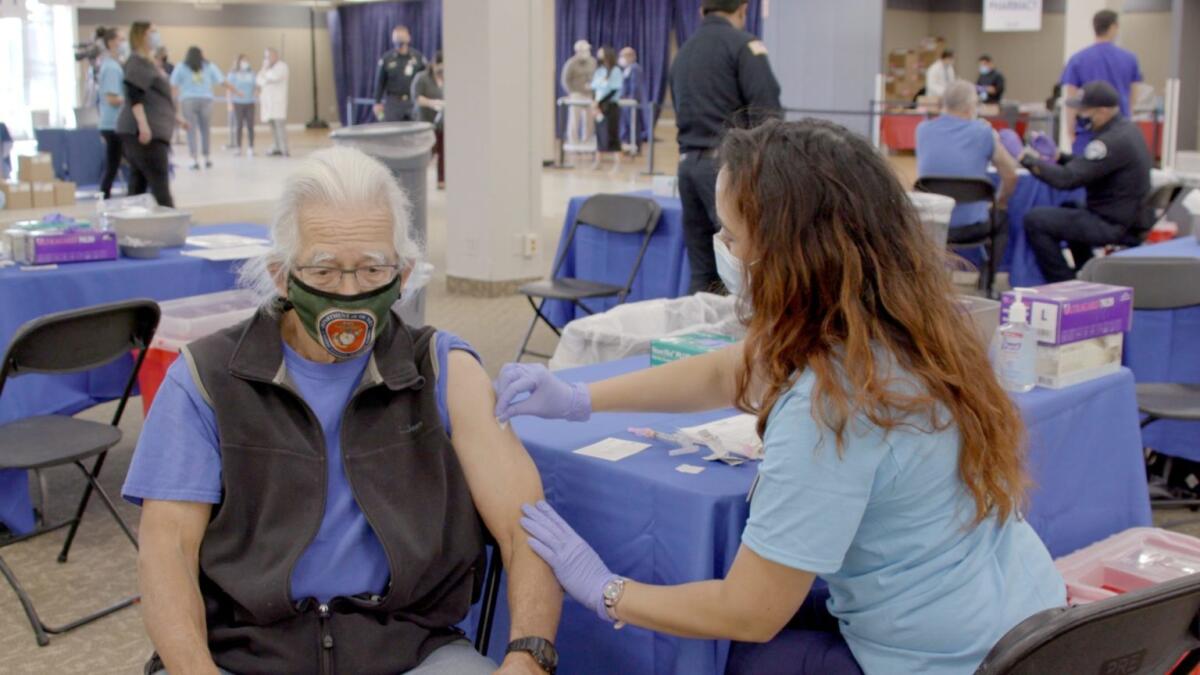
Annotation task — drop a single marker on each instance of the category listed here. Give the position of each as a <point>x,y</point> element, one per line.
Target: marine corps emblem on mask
<point>347,333</point>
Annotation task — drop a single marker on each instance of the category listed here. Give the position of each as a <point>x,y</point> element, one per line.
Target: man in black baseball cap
<point>1114,169</point>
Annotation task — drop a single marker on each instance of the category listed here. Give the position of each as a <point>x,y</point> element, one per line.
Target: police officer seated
<point>314,481</point>
<point>398,67</point>
<point>1115,170</point>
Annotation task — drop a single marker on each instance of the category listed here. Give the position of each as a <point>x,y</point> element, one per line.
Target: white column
<point>1078,32</point>
<point>495,121</point>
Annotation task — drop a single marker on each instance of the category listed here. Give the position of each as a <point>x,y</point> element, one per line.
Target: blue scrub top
<point>111,81</point>
<point>1105,62</point>
<point>243,82</point>
<point>194,84</point>
<point>605,82</point>
<point>915,586</point>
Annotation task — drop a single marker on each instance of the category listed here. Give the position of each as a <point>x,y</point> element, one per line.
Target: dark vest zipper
<point>326,640</point>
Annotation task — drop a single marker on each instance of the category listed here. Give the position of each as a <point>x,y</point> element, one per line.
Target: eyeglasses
<point>369,277</point>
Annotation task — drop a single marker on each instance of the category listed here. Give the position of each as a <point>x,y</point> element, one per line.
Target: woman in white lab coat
<point>273,99</point>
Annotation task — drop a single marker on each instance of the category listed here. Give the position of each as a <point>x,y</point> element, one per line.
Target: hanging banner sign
<point>1008,16</point>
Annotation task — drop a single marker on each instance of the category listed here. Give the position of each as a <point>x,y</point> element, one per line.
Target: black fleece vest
<point>403,473</point>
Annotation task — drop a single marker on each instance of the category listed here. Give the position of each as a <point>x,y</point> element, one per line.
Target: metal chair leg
<point>39,630</point>
<point>491,595</point>
<point>108,504</point>
<point>525,343</point>
<point>83,502</point>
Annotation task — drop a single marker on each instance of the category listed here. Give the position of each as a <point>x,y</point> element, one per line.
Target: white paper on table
<point>235,253</point>
<point>224,241</point>
<point>737,434</point>
<point>612,449</point>
<point>689,468</point>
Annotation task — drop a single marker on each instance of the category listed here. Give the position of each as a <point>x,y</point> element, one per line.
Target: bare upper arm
<point>767,592</point>
<point>172,523</point>
<point>499,471</point>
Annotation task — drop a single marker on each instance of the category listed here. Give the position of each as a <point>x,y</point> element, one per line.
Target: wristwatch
<point>541,649</point>
<point>612,592</point>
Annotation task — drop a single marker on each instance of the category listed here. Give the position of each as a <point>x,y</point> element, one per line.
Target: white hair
<point>344,179</point>
<point>582,46</point>
<point>960,97</point>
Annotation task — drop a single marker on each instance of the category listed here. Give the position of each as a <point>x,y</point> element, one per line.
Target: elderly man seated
<point>313,480</point>
<point>957,144</point>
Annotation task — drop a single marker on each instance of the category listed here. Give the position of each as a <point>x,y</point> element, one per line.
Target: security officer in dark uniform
<point>393,83</point>
<point>720,79</point>
<point>1115,170</point>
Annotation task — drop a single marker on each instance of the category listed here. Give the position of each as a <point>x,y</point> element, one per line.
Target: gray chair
<point>1158,284</point>
<point>619,214</point>
<point>1152,630</point>
<point>968,191</point>
<point>71,342</point>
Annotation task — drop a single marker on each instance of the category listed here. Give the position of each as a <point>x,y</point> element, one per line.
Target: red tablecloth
<point>898,131</point>
<point>1152,131</point>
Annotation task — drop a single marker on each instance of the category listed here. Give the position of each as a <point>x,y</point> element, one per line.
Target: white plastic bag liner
<point>934,212</point>
<point>411,305</point>
<point>143,203</point>
<point>627,330</point>
<point>388,140</point>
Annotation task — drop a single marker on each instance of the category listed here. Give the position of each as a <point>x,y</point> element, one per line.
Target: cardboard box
<point>1070,311</point>
<point>43,195</point>
<point>1061,366</point>
<point>902,59</point>
<point>666,350</point>
<point>17,196</point>
<point>37,168</point>
<point>989,110</point>
<point>64,193</point>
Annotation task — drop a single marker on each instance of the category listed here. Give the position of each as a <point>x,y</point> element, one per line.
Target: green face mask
<point>345,325</point>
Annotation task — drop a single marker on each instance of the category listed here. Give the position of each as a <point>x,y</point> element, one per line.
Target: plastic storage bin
<point>626,330</point>
<point>183,321</point>
<point>1136,558</point>
<point>984,313</point>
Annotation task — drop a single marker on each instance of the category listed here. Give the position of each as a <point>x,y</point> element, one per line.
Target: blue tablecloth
<point>77,154</point>
<point>1018,259</point>
<point>603,256</point>
<point>1164,346</point>
<point>26,295</point>
<point>654,524</point>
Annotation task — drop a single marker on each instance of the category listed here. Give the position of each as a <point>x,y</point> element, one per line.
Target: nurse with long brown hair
<point>894,462</point>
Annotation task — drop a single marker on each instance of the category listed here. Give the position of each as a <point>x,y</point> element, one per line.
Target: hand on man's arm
<point>502,477</point>
<point>168,575</point>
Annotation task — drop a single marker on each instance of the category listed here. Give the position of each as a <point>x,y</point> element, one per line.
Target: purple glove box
<point>1070,311</point>
<point>51,246</point>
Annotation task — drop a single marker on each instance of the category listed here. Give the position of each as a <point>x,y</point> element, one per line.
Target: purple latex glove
<point>1045,146</point>
<point>579,569</point>
<point>549,397</point>
<point>1011,142</point>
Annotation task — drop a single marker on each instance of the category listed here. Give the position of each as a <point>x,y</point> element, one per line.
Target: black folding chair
<point>491,596</point>
<point>1158,284</point>
<point>1152,630</point>
<point>620,214</point>
<point>56,344</point>
<point>1154,207</point>
<point>968,191</point>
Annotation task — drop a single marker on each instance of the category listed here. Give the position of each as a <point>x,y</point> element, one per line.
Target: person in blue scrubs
<point>111,92</point>
<point>894,464</point>
<point>193,82</point>
<point>1103,61</point>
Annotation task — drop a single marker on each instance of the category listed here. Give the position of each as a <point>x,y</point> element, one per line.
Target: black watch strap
<point>541,649</point>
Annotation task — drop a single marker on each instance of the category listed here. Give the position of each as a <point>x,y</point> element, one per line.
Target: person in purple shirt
<point>315,482</point>
<point>1103,61</point>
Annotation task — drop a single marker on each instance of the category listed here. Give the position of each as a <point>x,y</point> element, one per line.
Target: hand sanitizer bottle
<point>1014,349</point>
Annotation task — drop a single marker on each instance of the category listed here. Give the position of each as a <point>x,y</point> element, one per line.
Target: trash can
<point>405,147</point>
<point>934,211</point>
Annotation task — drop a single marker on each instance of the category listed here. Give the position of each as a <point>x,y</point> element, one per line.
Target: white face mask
<point>623,62</point>
<point>729,267</point>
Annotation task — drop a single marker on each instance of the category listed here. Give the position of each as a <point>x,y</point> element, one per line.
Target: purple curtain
<point>644,25</point>
<point>361,33</point>
<point>687,18</point>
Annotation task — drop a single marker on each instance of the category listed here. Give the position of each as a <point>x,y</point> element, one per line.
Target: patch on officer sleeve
<point>1096,150</point>
<point>757,48</point>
